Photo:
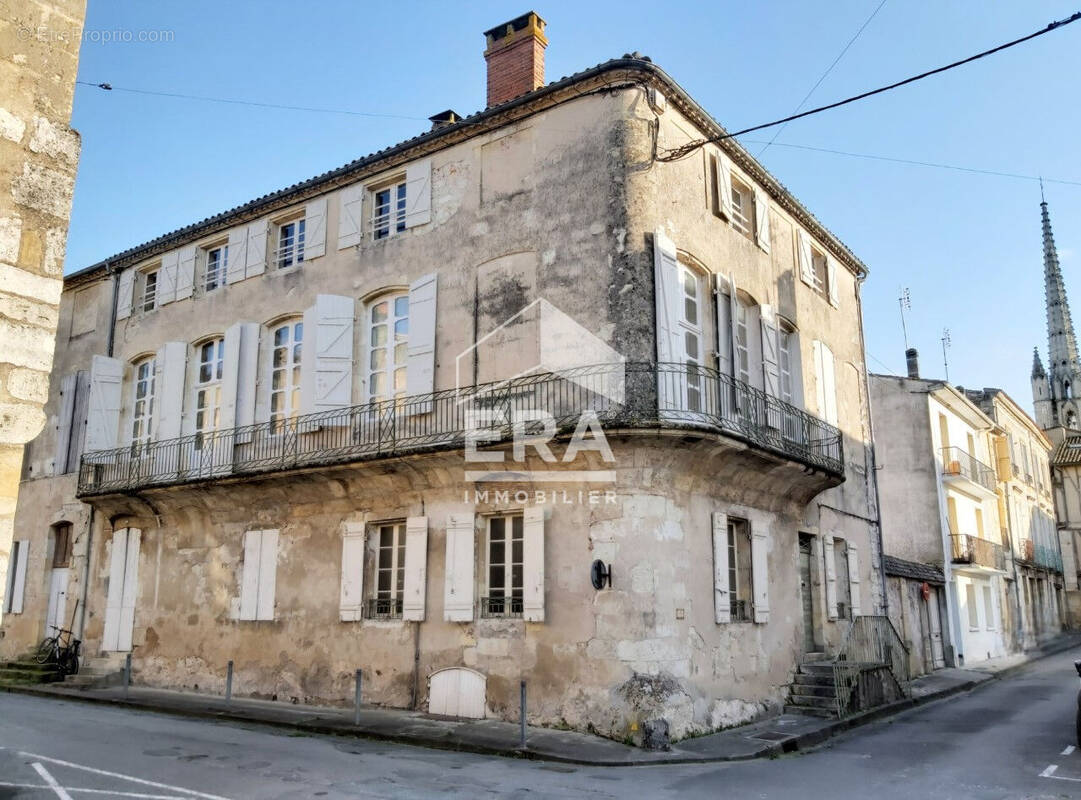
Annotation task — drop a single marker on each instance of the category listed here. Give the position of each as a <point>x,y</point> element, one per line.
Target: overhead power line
<point>685,150</point>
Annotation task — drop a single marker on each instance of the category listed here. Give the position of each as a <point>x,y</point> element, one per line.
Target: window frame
<point>285,257</point>
<point>397,207</point>
<point>741,598</point>
<point>201,386</point>
<point>693,394</point>
<point>144,419</point>
<point>742,206</point>
<point>988,607</point>
<point>385,604</point>
<point>391,348</point>
<point>972,604</point>
<point>61,558</point>
<point>222,248</point>
<point>144,287</point>
<point>512,605</point>
<point>281,422</point>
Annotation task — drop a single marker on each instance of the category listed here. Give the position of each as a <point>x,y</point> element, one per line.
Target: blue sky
<point>967,246</point>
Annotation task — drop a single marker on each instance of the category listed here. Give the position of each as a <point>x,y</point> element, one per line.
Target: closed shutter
<point>249,575</point>
<point>724,186</point>
<point>416,569</point>
<point>237,257</point>
<point>722,602</point>
<point>125,295</point>
<point>115,595</point>
<point>420,372</point>
<point>167,278</point>
<point>771,371</point>
<point>458,583</point>
<point>722,296</point>
<point>255,258</point>
<point>350,221</point>
<point>761,219</point>
<point>185,273</point>
<point>268,574</point>
<point>418,193</point>
<point>351,603</point>
<point>103,411</point>
<point>805,257</point>
<point>533,564</point>
<point>16,589</point>
<point>829,559</point>
<point>760,575</point>
<point>831,278</point>
<point>795,362</point>
<point>326,379</point>
<point>854,579</point>
<point>64,421</point>
<point>315,228</point>
<point>131,590</point>
<point>170,364</point>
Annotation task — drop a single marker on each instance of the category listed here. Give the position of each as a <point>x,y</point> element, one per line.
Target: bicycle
<point>61,649</point>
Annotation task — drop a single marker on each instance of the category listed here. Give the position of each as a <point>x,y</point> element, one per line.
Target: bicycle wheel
<point>46,649</point>
<point>69,661</point>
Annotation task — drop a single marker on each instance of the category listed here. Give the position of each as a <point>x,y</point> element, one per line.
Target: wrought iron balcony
<point>1033,554</point>
<point>631,395</point>
<point>976,551</point>
<point>959,464</point>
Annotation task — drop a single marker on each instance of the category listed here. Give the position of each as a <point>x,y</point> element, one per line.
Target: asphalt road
<point>1004,740</point>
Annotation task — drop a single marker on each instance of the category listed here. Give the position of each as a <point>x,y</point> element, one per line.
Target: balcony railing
<point>632,395</point>
<point>957,462</point>
<point>1038,555</point>
<point>978,552</point>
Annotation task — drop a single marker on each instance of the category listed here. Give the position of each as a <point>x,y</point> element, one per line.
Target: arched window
<point>748,345</point>
<point>1067,390</point>
<point>787,361</point>
<point>388,346</point>
<point>287,339</point>
<point>208,387</point>
<point>142,405</point>
<point>1071,419</point>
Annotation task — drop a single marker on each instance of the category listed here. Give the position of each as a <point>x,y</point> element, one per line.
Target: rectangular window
<point>388,210</point>
<point>142,408</point>
<point>740,573</point>
<point>290,248</point>
<point>692,336</point>
<point>62,545</point>
<point>285,374</point>
<point>742,207</point>
<point>988,608</point>
<point>820,272</point>
<point>216,259</point>
<point>208,389</point>
<point>388,539</point>
<point>505,575</point>
<point>150,290</point>
<point>973,611</point>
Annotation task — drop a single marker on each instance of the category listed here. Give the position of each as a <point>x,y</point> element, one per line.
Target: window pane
<point>379,359</point>
<point>379,312</point>
<point>379,335</point>
<point>498,527</point>
<point>401,306</point>
<point>401,328</point>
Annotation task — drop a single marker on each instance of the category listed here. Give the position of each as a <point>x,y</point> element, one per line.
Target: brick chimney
<point>515,57</point>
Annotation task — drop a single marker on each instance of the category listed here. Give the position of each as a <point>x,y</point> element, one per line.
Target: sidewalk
<point>782,734</point>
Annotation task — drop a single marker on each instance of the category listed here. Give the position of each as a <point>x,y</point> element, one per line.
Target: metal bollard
<point>356,700</point>
<point>127,674</point>
<point>521,717</point>
<point>229,684</point>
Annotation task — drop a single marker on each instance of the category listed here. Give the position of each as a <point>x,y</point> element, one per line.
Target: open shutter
<point>724,186</point>
<point>249,575</point>
<point>64,422</point>
<point>416,569</point>
<point>255,257</point>
<point>854,579</point>
<point>185,272</point>
<point>315,228</point>
<point>350,221</point>
<point>351,603</point>
<point>804,256</point>
<point>771,371</point>
<point>103,411</point>
<point>722,602</point>
<point>268,574</point>
<point>829,380</point>
<point>761,219</point>
<point>829,555</point>
<point>125,296</point>
<point>20,549</point>
<point>418,193</point>
<point>420,372</point>
<point>458,583</point>
<point>170,364</point>
<point>115,594</point>
<point>666,279</point>
<point>831,279</point>
<point>722,296</point>
<point>760,576</point>
<point>237,257</point>
<point>533,564</point>
<point>167,278</point>
<point>131,590</point>
<point>326,380</point>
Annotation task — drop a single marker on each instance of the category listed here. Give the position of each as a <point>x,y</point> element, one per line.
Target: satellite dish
<point>600,575</point>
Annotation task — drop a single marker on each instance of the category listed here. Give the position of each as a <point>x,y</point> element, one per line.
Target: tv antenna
<point>904,300</point>
<point>945,346</point>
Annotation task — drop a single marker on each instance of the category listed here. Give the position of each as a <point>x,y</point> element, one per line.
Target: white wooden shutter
<point>20,549</point>
<point>249,575</point>
<point>230,374</point>
<point>533,564</point>
<point>170,365</point>
<point>805,257</point>
<point>351,603</point>
<point>761,219</point>
<point>326,379</point>
<point>350,221</point>
<point>831,279</point>
<point>723,300</point>
<point>418,193</point>
<point>131,590</point>
<point>65,418</point>
<point>268,574</point>
<point>125,296</point>
<point>760,575</point>
<point>103,411</point>
<point>829,380</point>
<point>255,258</point>
<point>854,579</point>
<point>458,582</point>
<point>416,569</point>
<point>167,278</point>
<point>115,595</point>
<point>724,185</point>
<point>315,228</point>
<point>722,602</point>
<point>420,372</point>
<point>666,279</point>
<point>185,272</point>
<point>771,371</point>
<point>829,556</point>
<point>237,258</point>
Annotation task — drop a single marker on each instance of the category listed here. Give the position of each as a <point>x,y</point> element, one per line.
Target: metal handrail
<point>1039,555</point>
<point>956,461</point>
<point>965,549</point>
<point>871,642</point>
<point>650,395</point>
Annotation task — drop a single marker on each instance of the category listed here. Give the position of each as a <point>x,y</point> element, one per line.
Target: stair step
<point>813,701</point>
<point>811,711</point>
<point>817,668</point>
<point>803,690</point>
<point>803,679</point>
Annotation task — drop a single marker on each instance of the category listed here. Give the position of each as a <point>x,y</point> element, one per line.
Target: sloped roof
<point>901,568</point>
<point>1068,453</point>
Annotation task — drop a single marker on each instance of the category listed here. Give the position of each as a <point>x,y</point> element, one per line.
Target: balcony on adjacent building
<point>1034,554</point>
<point>622,396</point>
<point>958,465</point>
<point>977,552</point>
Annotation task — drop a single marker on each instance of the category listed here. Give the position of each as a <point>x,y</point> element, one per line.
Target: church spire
<point>1062,343</point>
<point>1037,365</point>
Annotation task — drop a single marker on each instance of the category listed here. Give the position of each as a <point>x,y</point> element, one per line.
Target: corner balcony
<point>623,396</point>
<point>977,552</point>
<point>964,468</point>
<point>1043,556</point>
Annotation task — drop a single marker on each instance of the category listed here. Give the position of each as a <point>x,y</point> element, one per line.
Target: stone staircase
<point>95,672</point>
<point>813,691</point>
<point>26,670</point>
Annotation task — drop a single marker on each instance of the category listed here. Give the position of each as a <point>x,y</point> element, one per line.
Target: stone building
<point>39,153</point>
<point>263,436</point>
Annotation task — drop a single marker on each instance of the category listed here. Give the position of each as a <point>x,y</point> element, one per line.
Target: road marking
<point>110,792</point>
<point>58,790</point>
<point>1049,772</point>
<point>1069,749</point>
<point>143,781</point>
